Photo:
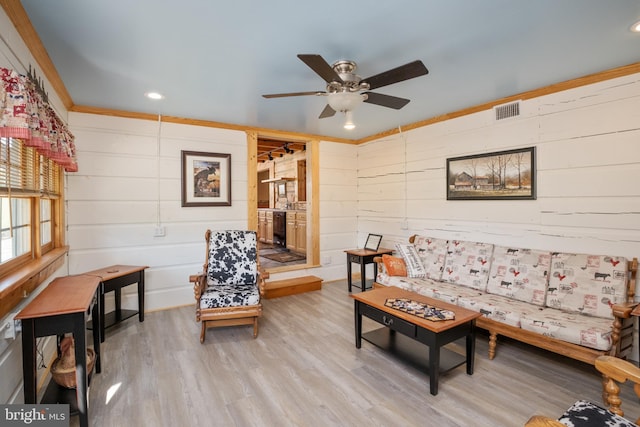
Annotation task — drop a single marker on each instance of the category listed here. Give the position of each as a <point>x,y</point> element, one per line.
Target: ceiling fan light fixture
<point>348,124</point>
<point>345,101</point>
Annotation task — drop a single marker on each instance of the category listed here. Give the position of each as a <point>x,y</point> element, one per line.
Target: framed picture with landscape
<point>206,179</point>
<point>501,175</point>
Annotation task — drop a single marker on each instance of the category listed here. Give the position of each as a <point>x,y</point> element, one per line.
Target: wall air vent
<point>506,111</point>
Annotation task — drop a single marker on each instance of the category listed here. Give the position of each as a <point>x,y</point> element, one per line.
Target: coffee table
<point>434,334</point>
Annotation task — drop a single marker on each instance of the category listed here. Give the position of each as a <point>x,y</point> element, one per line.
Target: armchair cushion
<point>230,296</point>
<point>587,414</point>
<point>232,258</point>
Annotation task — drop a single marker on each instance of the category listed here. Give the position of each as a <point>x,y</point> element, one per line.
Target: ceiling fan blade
<point>327,112</point>
<point>398,74</point>
<point>386,100</point>
<point>282,95</point>
<point>321,67</point>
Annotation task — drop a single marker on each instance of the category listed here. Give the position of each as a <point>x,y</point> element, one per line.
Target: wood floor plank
<point>304,370</point>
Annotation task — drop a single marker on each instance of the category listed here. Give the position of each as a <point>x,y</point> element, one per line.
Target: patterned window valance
<point>26,114</point>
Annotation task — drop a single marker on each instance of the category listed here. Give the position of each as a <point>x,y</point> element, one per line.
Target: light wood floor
<point>304,370</point>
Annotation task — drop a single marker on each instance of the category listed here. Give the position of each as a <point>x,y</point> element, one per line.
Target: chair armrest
<point>540,421</point>
<point>199,284</point>
<point>263,275</point>
<point>618,369</point>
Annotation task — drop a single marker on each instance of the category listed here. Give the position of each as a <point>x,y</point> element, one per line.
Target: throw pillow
<point>410,256</point>
<point>395,266</point>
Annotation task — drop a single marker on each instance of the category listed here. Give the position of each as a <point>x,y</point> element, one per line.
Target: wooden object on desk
<point>363,257</point>
<point>62,307</point>
<point>114,278</point>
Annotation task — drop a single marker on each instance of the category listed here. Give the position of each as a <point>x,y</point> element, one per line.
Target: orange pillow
<point>395,266</point>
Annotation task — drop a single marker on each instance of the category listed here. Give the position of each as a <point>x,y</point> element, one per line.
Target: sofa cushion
<point>587,284</point>
<point>588,331</point>
<point>519,273</point>
<point>497,307</point>
<point>467,264</point>
<point>394,266</point>
<point>432,252</point>
<point>413,262</point>
<point>442,291</point>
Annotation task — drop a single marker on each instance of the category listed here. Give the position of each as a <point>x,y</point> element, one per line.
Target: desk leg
<point>141,297</point>
<point>363,275</point>
<point>101,309</point>
<point>358,323</point>
<point>349,283</point>
<point>96,332</point>
<point>81,369</point>
<point>29,361</point>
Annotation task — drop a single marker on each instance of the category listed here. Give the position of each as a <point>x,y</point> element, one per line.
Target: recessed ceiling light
<point>154,95</point>
<point>636,27</point>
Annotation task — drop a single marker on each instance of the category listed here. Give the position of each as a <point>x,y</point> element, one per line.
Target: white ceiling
<point>213,60</point>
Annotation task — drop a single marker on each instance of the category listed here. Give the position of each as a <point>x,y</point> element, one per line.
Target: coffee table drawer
<point>389,320</point>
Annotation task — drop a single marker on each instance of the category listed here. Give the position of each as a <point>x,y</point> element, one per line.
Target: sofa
<point>577,305</point>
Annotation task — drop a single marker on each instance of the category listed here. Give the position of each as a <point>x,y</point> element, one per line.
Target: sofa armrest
<point>623,310</point>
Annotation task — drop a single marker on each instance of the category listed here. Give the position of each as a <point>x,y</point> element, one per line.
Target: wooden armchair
<point>229,289</point>
<point>586,414</point>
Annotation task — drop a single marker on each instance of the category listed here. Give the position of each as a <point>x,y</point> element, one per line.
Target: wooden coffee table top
<point>376,298</point>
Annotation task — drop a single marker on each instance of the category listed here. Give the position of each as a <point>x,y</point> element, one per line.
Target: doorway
<point>282,198</point>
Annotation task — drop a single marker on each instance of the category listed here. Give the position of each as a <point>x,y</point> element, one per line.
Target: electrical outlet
<point>326,260</point>
<point>11,326</point>
<point>404,225</point>
<point>159,232</point>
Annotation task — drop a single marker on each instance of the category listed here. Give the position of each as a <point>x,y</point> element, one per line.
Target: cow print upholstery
<point>232,270</point>
<point>587,414</point>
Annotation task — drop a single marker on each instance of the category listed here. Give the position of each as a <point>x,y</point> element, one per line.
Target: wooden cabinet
<point>297,231</point>
<point>262,226</point>
<point>265,226</point>
<point>269,227</point>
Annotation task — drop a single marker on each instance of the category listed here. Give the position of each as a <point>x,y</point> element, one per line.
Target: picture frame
<point>206,179</point>
<point>373,242</point>
<point>500,175</point>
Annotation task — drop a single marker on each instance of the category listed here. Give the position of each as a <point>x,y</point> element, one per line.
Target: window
<point>30,193</point>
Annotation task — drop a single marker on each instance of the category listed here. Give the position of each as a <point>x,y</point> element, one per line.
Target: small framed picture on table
<point>373,242</point>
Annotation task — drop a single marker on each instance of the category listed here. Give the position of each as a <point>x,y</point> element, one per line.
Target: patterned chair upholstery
<point>229,289</point>
<point>587,414</point>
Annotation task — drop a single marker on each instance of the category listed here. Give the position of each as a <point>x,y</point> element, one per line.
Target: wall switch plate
<point>159,232</point>
<point>404,225</point>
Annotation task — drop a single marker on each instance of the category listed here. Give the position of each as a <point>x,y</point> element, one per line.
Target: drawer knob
<point>387,321</point>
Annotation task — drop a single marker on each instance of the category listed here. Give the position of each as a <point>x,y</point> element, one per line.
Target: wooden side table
<point>363,257</point>
<point>62,307</point>
<point>114,278</point>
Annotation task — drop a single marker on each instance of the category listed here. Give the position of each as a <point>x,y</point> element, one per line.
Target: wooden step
<point>295,285</point>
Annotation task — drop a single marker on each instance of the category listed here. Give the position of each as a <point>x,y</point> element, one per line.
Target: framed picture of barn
<point>206,179</point>
<point>501,175</point>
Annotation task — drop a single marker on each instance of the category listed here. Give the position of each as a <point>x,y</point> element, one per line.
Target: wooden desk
<point>363,257</point>
<point>61,307</point>
<point>114,278</point>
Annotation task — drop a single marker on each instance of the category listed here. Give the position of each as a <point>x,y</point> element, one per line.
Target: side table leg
<point>141,297</point>
<point>349,283</point>
<point>29,361</point>
<point>363,275</point>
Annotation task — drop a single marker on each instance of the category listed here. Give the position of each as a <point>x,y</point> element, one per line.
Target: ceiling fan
<point>346,90</point>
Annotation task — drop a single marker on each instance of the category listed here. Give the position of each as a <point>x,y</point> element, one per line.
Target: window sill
<point>17,285</point>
